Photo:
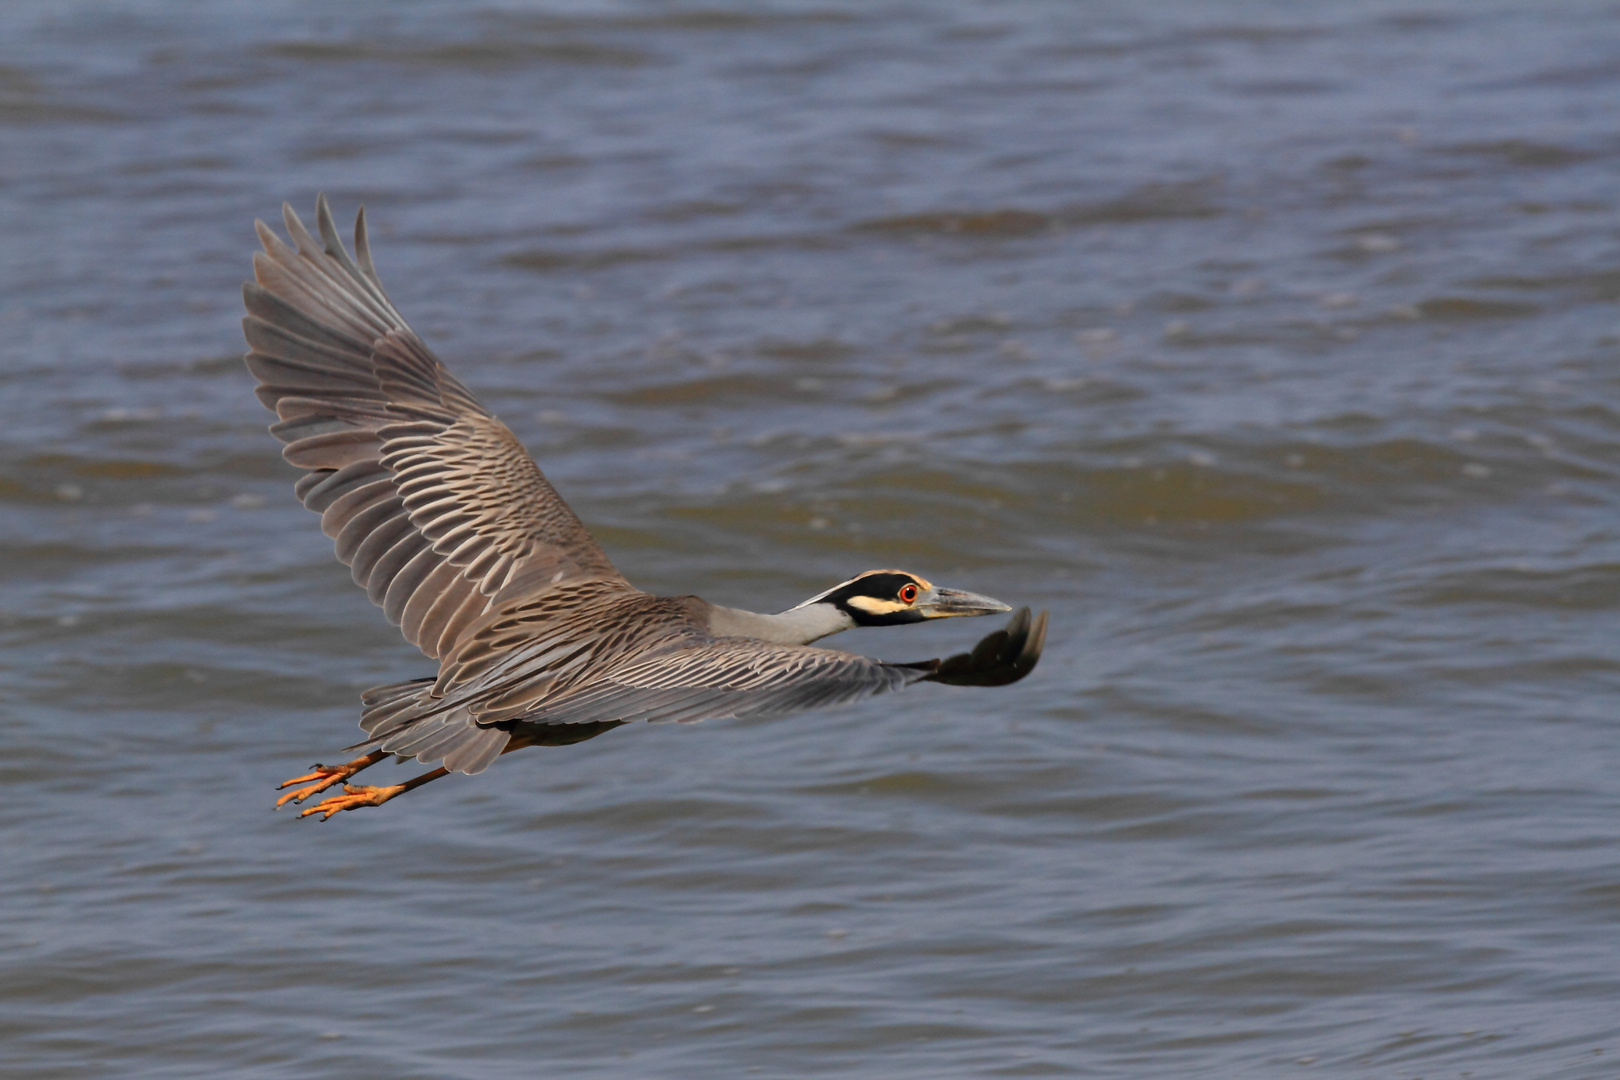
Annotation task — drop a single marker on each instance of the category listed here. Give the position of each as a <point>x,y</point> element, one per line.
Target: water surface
<point>1272,347</point>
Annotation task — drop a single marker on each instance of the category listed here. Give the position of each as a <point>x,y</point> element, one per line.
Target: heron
<point>449,525</point>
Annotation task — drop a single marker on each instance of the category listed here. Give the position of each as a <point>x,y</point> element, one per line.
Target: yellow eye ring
<point>908,594</point>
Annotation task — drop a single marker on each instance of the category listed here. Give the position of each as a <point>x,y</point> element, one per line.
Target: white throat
<point>797,626</point>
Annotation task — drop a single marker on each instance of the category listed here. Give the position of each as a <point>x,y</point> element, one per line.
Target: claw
<point>320,771</point>
<point>353,798</point>
<point>325,777</point>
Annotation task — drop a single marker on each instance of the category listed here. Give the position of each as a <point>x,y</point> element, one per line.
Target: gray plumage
<point>450,527</point>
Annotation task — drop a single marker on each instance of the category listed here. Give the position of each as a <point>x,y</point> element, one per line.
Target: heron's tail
<point>405,719</point>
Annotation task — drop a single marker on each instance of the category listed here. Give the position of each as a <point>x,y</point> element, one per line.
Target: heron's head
<point>893,597</point>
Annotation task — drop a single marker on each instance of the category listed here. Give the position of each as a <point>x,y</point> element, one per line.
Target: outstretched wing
<point>751,679</point>
<point>1001,656</point>
<point>738,677</point>
<point>433,503</point>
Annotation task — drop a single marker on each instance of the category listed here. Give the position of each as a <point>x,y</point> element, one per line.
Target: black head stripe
<point>880,584</point>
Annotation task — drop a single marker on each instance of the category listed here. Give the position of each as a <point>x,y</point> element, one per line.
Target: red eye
<point>908,594</point>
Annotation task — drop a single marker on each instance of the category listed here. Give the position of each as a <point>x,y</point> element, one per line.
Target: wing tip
<point>328,228</point>
<point>1001,658</point>
<point>362,247</point>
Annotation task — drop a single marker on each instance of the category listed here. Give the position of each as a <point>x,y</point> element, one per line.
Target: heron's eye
<point>908,594</point>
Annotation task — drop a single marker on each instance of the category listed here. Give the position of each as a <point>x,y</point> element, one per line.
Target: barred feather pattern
<point>429,499</point>
<point>736,677</point>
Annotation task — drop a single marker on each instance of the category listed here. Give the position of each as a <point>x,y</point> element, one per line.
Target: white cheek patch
<point>872,605</point>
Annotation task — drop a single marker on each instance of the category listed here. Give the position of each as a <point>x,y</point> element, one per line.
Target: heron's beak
<point>940,603</point>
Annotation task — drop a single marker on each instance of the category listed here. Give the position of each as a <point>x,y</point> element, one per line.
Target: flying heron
<point>449,526</point>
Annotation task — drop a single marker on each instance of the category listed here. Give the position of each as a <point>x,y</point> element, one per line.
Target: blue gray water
<point>1273,347</point>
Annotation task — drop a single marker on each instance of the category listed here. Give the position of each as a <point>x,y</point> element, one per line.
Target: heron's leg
<point>327,775</point>
<point>354,797</point>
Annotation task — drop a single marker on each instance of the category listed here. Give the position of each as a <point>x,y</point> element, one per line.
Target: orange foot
<point>325,776</point>
<point>353,798</point>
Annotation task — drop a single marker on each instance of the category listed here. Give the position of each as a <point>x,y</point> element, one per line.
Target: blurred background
<point>1271,346</point>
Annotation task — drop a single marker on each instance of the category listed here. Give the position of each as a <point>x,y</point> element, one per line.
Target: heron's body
<point>450,527</point>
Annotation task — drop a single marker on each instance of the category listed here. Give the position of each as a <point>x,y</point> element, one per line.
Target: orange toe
<point>352,799</point>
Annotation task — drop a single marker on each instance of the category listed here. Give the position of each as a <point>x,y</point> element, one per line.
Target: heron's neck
<point>796,626</point>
